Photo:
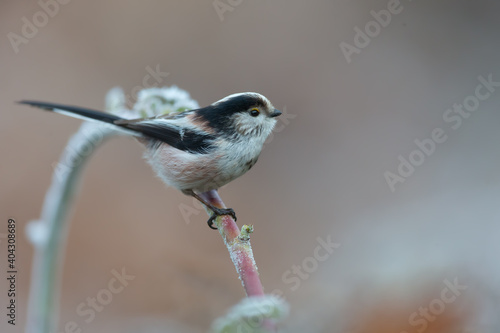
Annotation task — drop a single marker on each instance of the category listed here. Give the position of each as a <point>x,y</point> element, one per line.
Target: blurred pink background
<point>321,176</point>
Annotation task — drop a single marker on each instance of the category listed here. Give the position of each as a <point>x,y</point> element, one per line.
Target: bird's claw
<point>220,212</point>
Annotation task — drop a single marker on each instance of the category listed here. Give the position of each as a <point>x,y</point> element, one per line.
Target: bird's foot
<point>219,212</point>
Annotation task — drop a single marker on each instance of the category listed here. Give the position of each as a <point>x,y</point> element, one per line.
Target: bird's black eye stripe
<point>254,112</point>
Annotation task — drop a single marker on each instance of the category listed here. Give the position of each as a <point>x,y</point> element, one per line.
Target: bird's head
<point>247,114</point>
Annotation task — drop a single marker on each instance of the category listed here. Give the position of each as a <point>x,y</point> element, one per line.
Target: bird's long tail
<point>172,135</point>
<point>75,111</point>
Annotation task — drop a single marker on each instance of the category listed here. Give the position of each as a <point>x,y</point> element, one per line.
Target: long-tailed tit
<point>198,150</point>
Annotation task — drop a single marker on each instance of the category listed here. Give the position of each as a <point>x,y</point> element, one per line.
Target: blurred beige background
<point>321,176</point>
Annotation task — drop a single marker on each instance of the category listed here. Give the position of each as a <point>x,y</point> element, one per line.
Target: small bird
<point>199,150</point>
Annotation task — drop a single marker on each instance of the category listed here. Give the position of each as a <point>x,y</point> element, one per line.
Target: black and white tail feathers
<point>75,111</point>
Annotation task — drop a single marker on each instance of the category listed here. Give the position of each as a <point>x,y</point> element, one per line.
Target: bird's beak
<point>275,113</point>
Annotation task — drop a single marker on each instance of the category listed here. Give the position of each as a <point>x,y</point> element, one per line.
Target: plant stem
<point>238,245</point>
<point>240,251</point>
<point>49,234</point>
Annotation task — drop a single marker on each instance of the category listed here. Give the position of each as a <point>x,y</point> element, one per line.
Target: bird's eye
<point>254,112</point>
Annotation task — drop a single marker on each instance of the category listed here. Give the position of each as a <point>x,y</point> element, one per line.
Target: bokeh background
<point>321,176</point>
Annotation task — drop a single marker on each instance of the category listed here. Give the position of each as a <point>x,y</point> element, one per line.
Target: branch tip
<point>246,230</point>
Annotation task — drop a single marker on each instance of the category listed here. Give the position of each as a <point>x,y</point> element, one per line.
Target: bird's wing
<point>174,132</point>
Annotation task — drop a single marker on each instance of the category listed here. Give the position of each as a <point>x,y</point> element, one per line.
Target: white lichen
<point>115,100</point>
<point>250,314</point>
<point>37,233</point>
<point>158,101</point>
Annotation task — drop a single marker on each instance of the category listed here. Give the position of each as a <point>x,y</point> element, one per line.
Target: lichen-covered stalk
<point>238,245</point>
<point>240,251</point>
<point>49,234</point>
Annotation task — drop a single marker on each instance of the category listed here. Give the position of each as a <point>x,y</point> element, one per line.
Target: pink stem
<point>239,248</point>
